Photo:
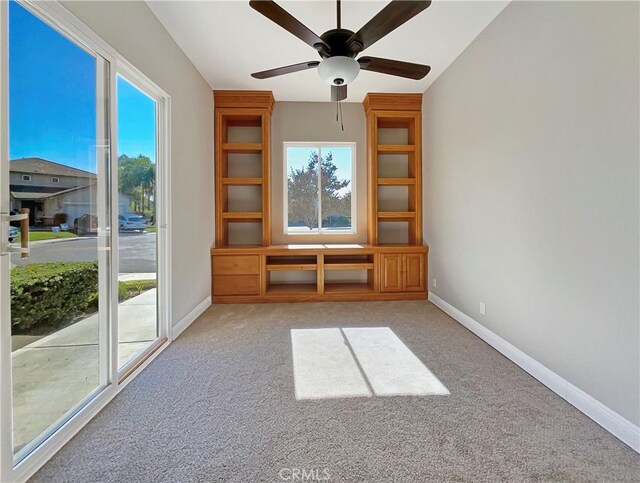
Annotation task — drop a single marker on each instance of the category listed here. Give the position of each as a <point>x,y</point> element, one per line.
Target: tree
<point>137,178</point>
<point>303,192</point>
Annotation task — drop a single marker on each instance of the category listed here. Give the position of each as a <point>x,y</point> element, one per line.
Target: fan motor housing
<point>336,39</point>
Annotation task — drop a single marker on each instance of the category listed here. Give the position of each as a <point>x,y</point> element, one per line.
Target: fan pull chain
<point>339,114</point>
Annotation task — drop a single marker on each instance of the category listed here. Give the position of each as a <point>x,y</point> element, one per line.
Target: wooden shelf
<point>396,148</point>
<point>271,267</point>
<point>396,181</point>
<point>242,147</point>
<point>241,181</point>
<point>292,289</point>
<point>242,129</point>
<point>242,216</point>
<point>346,264</point>
<point>335,287</point>
<point>396,215</point>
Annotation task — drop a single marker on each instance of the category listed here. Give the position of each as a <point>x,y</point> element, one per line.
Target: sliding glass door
<point>84,294</point>
<point>137,221</point>
<point>56,201</point>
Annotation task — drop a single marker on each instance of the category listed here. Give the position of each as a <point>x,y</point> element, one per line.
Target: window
<point>319,196</point>
<point>26,177</point>
<point>55,179</point>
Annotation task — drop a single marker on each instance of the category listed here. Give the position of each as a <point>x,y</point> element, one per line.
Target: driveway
<point>137,252</point>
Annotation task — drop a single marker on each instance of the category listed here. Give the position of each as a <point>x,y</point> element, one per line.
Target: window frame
<point>285,195</point>
<point>26,177</point>
<point>55,179</point>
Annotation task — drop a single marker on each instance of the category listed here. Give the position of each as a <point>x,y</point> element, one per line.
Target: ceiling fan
<point>339,47</point>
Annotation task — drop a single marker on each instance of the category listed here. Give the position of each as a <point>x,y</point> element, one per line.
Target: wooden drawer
<point>236,284</point>
<point>236,265</point>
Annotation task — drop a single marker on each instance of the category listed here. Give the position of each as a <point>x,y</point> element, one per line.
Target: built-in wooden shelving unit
<point>246,268</point>
<point>242,167</point>
<point>394,156</point>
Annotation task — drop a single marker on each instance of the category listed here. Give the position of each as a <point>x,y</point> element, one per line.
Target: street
<point>137,252</point>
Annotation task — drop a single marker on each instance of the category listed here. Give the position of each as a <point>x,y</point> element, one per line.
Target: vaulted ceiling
<point>228,40</point>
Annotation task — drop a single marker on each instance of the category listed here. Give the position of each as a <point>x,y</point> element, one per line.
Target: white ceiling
<point>228,40</point>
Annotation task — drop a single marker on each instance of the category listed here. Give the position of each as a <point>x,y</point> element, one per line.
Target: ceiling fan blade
<point>265,74</point>
<point>284,19</point>
<point>338,93</point>
<point>394,67</point>
<point>387,20</point>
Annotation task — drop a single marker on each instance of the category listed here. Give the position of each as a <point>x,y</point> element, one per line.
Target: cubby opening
<point>393,198</point>
<point>292,274</point>
<point>393,135</point>
<point>244,165</point>
<point>348,281</point>
<point>244,233</point>
<point>393,232</point>
<point>238,133</point>
<point>284,263</point>
<point>291,282</point>
<point>244,198</point>
<point>338,262</point>
<point>393,166</point>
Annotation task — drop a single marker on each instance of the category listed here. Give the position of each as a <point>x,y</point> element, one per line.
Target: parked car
<point>86,225</point>
<point>13,234</point>
<point>131,221</point>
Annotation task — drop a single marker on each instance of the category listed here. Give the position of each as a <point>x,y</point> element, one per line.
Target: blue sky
<point>52,99</point>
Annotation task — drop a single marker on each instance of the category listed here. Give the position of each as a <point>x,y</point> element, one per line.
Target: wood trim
<point>241,181</point>
<point>316,297</point>
<point>244,99</point>
<point>396,148</point>
<point>242,147</point>
<point>392,102</point>
<point>396,181</point>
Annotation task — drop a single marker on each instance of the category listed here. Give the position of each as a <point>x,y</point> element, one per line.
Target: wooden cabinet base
<point>327,273</point>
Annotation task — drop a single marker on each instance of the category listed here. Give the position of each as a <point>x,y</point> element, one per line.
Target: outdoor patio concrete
<point>53,374</point>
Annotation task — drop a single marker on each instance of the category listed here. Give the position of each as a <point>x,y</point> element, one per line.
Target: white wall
<point>133,30</point>
<point>316,122</point>
<point>532,202</point>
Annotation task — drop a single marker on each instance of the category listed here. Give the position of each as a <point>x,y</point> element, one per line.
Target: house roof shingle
<point>43,166</point>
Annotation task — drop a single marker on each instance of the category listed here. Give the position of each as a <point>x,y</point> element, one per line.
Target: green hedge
<point>51,294</point>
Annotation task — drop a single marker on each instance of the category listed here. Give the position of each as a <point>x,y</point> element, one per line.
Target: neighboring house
<point>48,188</point>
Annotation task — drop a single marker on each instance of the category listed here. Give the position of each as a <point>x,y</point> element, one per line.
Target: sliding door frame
<point>134,77</point>
<point>58,17</point>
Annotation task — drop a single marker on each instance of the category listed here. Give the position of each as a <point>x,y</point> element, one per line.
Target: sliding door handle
<point>24,232</point>
<point>23,218</point>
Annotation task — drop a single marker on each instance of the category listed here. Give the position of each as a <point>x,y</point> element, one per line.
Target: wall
<point>316,122</point>
<point>532,200</point>
<point>133,30</point>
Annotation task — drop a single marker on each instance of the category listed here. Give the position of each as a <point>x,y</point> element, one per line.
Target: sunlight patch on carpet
<point>323,366</point>
<point>390,367</point>
<point>354,362</point>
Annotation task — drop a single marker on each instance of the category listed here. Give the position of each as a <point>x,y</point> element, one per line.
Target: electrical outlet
<point>483,308</point>
<point>435,282</point>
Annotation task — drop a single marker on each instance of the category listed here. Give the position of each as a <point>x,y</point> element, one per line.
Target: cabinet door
<point>391,273</point>
<point>414,272</point>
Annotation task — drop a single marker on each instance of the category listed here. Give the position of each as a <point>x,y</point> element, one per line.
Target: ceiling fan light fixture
<point>338,70</point>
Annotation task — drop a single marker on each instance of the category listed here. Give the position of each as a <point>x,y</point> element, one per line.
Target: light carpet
<point>219,405</point>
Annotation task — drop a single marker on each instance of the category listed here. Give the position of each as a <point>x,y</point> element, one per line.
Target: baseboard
<point>190,318</point>
<point>617,425</point>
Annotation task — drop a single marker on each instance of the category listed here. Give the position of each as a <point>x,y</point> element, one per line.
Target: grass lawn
<point>49,235</point>
<point>150,229</point>
<point>132,288</point>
